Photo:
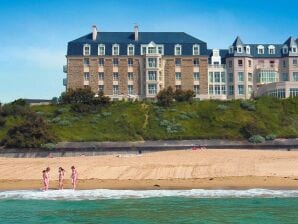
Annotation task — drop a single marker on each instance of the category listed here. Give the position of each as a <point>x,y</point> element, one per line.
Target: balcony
<point>65,68</point>
<point>217,66</point>
<point>65,82</point>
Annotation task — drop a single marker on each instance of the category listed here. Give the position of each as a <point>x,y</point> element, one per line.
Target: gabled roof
<point>144,37</point>
<point>237,42</point>
<point>291,41</point>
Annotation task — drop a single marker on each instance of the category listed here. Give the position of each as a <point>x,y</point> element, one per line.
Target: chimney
<point>136,29</point>
<point>94,32</point>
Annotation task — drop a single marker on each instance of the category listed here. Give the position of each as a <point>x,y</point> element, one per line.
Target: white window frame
<point>175,49</point>
<point>142,51</point>
<point>113,51</point>
<point>247,49</point>
<point>285,49</point>
<point>239,49</point>
<point>104,49</point>
<point>231,50</point>
<point>260,47</point>
<point>193,49</point>
<point>133,49</point>
<point>162,49</point>
<point>271,47</point>
<point>84,51</point>
<point>292,49</point>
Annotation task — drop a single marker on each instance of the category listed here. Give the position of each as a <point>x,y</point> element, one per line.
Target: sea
<point>149,206</point>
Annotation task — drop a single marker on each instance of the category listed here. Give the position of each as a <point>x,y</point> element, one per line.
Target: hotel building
<point>137,65</point>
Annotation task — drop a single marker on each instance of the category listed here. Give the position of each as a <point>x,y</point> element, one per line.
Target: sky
<point>34,33</point>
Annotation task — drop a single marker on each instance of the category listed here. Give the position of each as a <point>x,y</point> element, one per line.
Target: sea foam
<point>99,194</point>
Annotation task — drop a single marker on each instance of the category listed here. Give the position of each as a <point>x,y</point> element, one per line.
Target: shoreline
<point>227,183</point>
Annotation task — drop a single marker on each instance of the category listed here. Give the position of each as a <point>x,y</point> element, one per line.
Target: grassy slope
<point>200,120</point>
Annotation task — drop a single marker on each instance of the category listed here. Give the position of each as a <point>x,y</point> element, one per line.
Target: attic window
<point>115,49</point>
<point>247,49</point>
<point>261,49</point>
<point>294,49</point>
<point>130,49</point>
<point>177,49</point>
<point>239,49</point>
<point>271,49</point>
<point>86,50</point>
<point>101,49</point>
<point>285,50</point>
<point>196,49</point>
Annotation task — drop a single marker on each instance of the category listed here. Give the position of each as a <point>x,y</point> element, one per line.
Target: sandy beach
<point>183,169</point>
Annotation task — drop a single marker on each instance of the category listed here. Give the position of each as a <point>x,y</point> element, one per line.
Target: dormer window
<point>115,49</point>
<point>160,49</point>
<point>143,49</point>
<point>151,50</point>
<point>231,50</point>
<point>294,50</point>
<point>271,49</point>
<point>247,49</point>
<point>177,49</point>
<point>86,49</point>
<point>260,49</point>
<point>130,49</point>
<point>101,49</point>
<point>196,49</point>
<point>239,49</point>
<point>285,50</point>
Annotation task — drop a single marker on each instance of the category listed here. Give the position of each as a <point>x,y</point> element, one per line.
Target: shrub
<point>33,132</point>
<point>78,96</point>
<point>18,107</point>
<point>102,99</point>
<point>246,105</point>
<point>222,107</point>
<point>2,121</point>
<point>171,126</point>
<point>270,137</point>
<point>184,96</point>
<point>256,139</point>
<point>84,108</point>
<point>165,97</point>
<point>253,128</point>
<point>106,114</point>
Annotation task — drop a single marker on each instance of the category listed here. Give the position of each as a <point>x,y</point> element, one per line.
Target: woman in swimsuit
<point>74,177</point>
<point>61,177</point>
<point>44,178</point>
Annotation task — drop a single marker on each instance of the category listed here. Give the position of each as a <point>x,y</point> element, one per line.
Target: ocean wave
<point>100,194</point>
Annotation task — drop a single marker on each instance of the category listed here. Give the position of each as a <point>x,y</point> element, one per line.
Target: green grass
<point>132,121</point>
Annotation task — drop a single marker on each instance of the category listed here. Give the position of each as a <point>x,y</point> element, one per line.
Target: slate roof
<point>237,42</point>
<point>168,39</point>
<point>291,41</point>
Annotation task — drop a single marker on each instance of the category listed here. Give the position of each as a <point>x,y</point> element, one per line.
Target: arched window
<point>86,49</point>
<point>260,49</point>
<point>178,49</point>
<point>271,49</point>
<point>115,49</point>
<point>101,49</point>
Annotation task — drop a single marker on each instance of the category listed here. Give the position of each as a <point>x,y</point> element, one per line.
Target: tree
<point>165,97</point>
<point>32,133</point>
<point>77,96</point>
<point>184,96</point>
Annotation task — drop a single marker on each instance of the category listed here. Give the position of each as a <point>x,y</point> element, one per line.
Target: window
<point>152,89</point>
<point>216,76</point>
<point>196,89</point>
<point>115,49</point>
<point>239,49</point>
<point>130,76</point>
<point>240,62</point>
<point>196,62</point>
<point>143,50</point>
<point>217,89</point>
<point>115,62</point>
<point>260,49</point>
<point>295,76</point>
<point>247,49</point>
<point>130,49</point>
<point>294,61</point>
<point>210,78</point>
<point>223,89</point>
<point>285,49</point>
<point>178,75</point>
<point>151,50</point>
<point>271,49</point>
<point>284,64</point>
<point>101,62</point>
<point>101,88</point>
<point>223,77</point>
<point>293,92</point>
<point>152,62</point>
<point>249,89</point>
<point>115,76</point>
<point>231,90</point>
<point>115,90</point>
<point>196,76</point>
<point>101,49</point>
<point>231,50</point>
<point>130,62</point>
<point>86,76</point>
<point>267,76</point>
<point>178,87</point>
<point>86,61</point>
<point>152,75</point>
<point>160,50</point>
<point>177,49</point>
<point>249,63</point>
<point>101,76</point>
<point>240,77</point>
<point>294,49</point>
<point>230,64</point>
<point>210,89</point>
<point>231,77</point>
<point>250,77</point>
<point>196,49</point>
<point>86,50</point>
<point>240,89</point>
<point>285,77</point>
<point>130,89</point>
<point>178,61</point>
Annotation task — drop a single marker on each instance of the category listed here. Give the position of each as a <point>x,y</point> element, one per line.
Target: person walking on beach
<point>61,177</point>
<point>74,177</point>
<point>46,178</point>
